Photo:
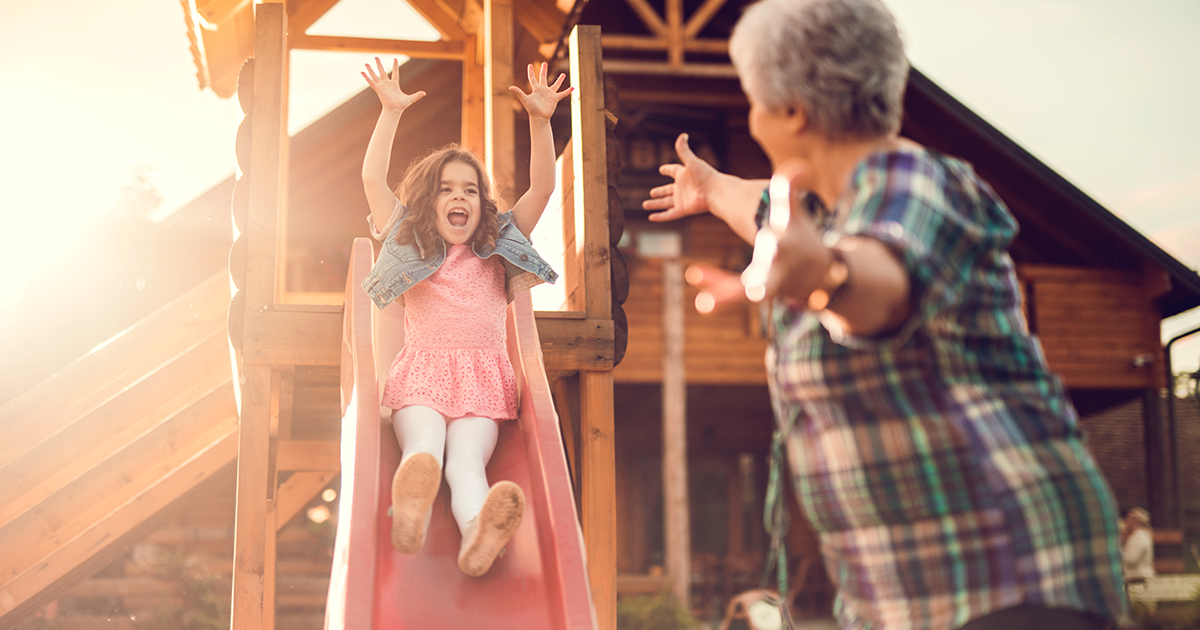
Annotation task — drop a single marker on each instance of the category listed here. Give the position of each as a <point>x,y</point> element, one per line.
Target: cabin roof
<point>1042,199</point>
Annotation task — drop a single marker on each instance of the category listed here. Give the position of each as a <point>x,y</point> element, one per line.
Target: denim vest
<point>399,267</point>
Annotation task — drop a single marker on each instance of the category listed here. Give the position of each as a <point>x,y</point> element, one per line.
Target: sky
<point>91,93</point>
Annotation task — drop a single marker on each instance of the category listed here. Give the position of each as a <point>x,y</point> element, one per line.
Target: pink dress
<point>454,358</point>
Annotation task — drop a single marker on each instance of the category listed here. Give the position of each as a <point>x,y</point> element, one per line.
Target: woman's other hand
<point>543,98</point>
<point>718,287</point>
<point>689,193</point>
<point>388,87</point>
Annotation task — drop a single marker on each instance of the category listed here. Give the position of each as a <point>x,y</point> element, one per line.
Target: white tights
<point>468,444</point>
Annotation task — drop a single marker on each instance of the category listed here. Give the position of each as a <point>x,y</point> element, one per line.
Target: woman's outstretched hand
<point>689,193</point>
<point>543,98</point>
<point>388,87</point>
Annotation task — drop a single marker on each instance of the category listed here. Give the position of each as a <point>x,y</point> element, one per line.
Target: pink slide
<point>540,582</point>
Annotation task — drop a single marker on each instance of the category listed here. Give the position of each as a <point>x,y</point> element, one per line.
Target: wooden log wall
<point>1099,328</point>
<point>725,347</point>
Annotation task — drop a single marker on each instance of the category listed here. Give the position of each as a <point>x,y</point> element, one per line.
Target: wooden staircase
<point>89,456</point>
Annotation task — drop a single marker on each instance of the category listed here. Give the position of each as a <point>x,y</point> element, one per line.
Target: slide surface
<point>540,581</point>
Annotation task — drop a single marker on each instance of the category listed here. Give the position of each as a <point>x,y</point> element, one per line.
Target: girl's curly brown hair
<point>419,190</point>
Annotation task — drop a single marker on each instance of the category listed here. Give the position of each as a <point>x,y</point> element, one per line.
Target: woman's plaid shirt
<point>941,465</point>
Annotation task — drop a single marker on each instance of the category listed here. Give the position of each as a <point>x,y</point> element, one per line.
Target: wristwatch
<point>837,276</point>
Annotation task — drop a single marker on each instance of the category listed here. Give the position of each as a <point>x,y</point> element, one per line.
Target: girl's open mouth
<point>457,218</point>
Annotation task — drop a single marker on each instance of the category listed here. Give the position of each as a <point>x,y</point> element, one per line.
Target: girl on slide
<point>455,261</point>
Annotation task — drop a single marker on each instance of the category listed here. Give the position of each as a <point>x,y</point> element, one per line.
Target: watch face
<point>764,616</point>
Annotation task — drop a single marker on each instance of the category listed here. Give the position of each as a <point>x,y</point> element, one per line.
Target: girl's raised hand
<point>543,99</point>
<point>388,87</point>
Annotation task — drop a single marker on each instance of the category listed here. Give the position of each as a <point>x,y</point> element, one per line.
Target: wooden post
<point>1156,477</point>
<point>676,517</point>
<point>269,573</point>
<point>249,537</point>
<point>590,194</point>
<point>473,109</point>
<point>498,32</point>
<point>268,175</point>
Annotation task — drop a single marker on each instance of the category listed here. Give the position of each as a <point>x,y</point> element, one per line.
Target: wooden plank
<point>570,345</point>
<point>701,17</point>
<point>590,168</point>
<point>572,276</point>
<point>292,337</point>
<point>295,493</point>
<point>113,526</point>
<point>309,455</point>
<point>566,421</point>
<point>642,42</point>
<point>474,114</point>
<point>1069,275</point>
<point>674,32</point>
<point>498,112</point>
<point>269,573</point>
<point>267,151</point>
<point>543,22</point>
<point>43,470</point>
<point>676,520</point>
<point>442,49</point>
<point>648,16</point>
<point>598,481</point>
<point>707,70</point>
<point>88,498</point>
<point>249,544</point>
<point>304,13</point>
<point>445,22</point>
<point>86,385</point>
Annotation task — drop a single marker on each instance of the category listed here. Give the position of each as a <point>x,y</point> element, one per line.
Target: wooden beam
<point>249,539</point>
<point>570,345</point>
<point>542,22</point>
<point>498,112</point>
<point>296,492</point>
<point>76,557</point>
<point>590,164</point>
<point>676,519</point>
<point>214,11</point>
<point>648,16</point>
<point>590,194</point>
<point>269,557</point>
<point>599,500</point>
<point>298,337</point>
<point>443,49</point>
<point>712,70</point>
<point>566,420</point>
<point>701,17</point>
<point>267,151</point>
<point>643,42</point>
<point>310,455</point>
<point>304,13</point>
<point>474,114</point>
<point>439,18</point>
<point>675,32</point>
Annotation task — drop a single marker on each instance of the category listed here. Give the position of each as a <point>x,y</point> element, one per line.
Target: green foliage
<point>197,605</point>
<point>660,612</point>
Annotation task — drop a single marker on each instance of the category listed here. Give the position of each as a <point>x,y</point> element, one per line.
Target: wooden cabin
<point>665,413</point>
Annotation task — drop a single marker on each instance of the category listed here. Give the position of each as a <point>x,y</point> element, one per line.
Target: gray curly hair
<point>841,60</point>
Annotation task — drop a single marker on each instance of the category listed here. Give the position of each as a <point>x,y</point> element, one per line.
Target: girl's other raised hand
<point>388,87</point>
<point>543,98</point>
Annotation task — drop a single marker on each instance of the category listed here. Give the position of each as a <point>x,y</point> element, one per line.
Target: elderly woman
<point>938,458</point>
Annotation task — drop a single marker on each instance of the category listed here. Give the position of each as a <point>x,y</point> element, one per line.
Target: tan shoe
<point>487,533</point>
<point>414,488</point>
